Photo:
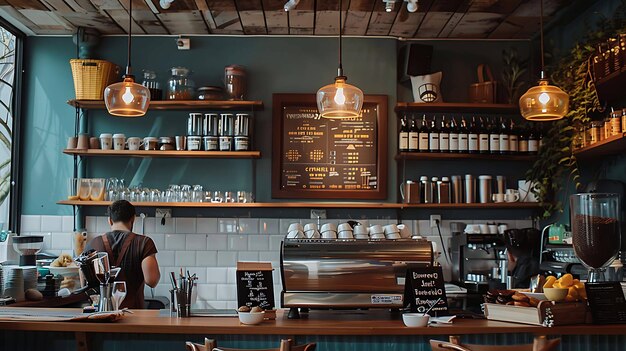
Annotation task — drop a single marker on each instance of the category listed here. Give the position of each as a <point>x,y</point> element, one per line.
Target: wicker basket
<point>91,77</point>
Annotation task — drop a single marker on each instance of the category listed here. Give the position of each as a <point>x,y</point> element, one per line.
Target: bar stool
<point>541,343</point>
<point>211,345</point>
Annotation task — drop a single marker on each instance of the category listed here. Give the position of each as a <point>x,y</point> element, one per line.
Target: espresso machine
<point>350,274</point>
<point>97,276</point>
<point>478,261</point>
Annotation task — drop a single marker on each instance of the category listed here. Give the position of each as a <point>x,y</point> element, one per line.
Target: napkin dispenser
<point>349,274</point>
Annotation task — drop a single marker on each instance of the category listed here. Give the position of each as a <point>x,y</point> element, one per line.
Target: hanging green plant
<point>512,72</point>
<point>556,167</point>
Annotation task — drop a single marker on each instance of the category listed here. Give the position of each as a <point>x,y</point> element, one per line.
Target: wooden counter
<point>318,323</point>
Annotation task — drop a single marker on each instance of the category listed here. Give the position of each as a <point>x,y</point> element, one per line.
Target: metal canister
<point>484,188</point>
<point>210,124</point>
<point>457,189</point>
<point>443,191</point>
<point>241,132</point>
<point>194,124</point>
<point>470,189</point>
<point>426,190</point>
<point>226,131</point>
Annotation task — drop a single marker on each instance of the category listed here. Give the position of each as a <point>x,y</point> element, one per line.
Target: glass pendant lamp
<point>544,102</point>
<point>339,99</point>
<point>127,98</point>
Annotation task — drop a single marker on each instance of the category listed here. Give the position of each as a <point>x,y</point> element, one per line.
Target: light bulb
<point>340,98</point>
<point>411,5</point>
<point>544,98</point>
<point>128,96</point>
<point>389,5</point>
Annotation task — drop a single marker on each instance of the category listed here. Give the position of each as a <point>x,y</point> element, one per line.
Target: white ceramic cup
<point>525,192</point>
<point>498,197</point>
<point>404,231</point>
<point>511,197</point>
<point>313,234</point>
<point>377,237</point>
<point>134,143</point>
<point>345,234</point>
<point>502,228</point>
<point>328,227</point>
<point>296,234</point>
<point>295,226</point>
<point>393,236</point>
<point>493,228</point>
<point>361,230</point>
<point>484,229</point>
<point>310,226</point>
<point>329,234</point>
<point>376,229</point>
<point>344,227</point>
<point>391,229</point>
<point>119,141</point>
<point>106,141</point>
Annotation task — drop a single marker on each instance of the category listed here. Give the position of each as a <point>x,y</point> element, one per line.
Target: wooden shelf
<point>347,205</point>
<point>457,107</point>
<point>158,153</point>
<point>459,156</point>
<point>179,105</point>
<point>614,145</point>
<point>610,87</point>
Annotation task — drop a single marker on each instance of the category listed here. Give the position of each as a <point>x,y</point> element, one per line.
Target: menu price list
<point>424,287</point>
<point>327,154</point>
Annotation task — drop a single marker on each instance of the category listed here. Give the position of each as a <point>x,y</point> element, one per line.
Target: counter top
<point>317,323</point>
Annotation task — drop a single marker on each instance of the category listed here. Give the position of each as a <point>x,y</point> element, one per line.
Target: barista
<point>523,263</point>
<point>134,253</point>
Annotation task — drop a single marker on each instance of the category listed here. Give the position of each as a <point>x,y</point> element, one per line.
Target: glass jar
<point>180,86</point>
<point>150,82</point>
<point>596,131</point>
<point>624,120</point>
<point>235,82</point>
<point>607,128</point>
<point>616,123</point>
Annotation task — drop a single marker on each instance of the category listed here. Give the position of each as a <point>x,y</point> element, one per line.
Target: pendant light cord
<point>130,24</point>
<point>541,39</point>
<point>340,69</point>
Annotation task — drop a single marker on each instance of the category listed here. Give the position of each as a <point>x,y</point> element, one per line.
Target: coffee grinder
<point>27,246</point>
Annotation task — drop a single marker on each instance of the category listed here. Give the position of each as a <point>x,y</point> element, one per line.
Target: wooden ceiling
<point>497,19</point>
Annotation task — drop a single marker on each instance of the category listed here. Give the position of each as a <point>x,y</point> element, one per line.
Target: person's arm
<point>151,273</point>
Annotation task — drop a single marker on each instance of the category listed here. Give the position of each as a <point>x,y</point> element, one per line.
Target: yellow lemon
<point>549,282</point>
<point>567,280</point>
<point>573,292</point>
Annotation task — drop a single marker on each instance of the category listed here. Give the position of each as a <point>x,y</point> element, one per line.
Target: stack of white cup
<point>311,231</point>
<point>345,231</point>
<point>296,231</point>
<point>392,232</point>
<point>361,232</point>
<point>377,232</point>
<point>329,231</point>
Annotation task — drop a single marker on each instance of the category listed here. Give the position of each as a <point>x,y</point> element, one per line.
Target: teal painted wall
<point>275,65</point>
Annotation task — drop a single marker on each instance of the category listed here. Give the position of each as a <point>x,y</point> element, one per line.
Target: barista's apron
<point>131,296</point>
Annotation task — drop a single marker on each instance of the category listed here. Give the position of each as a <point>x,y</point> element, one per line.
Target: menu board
<point>328,158</point>
<point>423,287</point>
<point>606,302</point>
<point>255,286</point>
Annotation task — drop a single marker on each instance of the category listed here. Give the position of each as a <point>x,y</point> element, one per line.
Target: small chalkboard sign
<point>255,286</point>
<point>606,302</point>
<point>422,287</point>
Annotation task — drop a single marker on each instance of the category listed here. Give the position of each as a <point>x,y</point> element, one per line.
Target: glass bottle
<point>523,140</point>
<point>463,136</point>
<point>494,137</point>
<point>433,136</point>
<point>473,142</point>
<point>483,137</point>
<point>424,135</point>
<point>403,136</point>
<point>180,86</point>
<point>513,139</point>
<point>150,82</point>
<point>504,137</point>
<point>444,136</point>
<point>454,136</point>
<point>616,122</point>
<point>413,136</point>
<point>533,141</point>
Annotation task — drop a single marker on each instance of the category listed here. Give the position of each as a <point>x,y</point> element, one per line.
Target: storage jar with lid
<point>235,82</point>
<point>150,81</point>
<point>616,123</point>
<point>180,86</point>
<point>596,131</point>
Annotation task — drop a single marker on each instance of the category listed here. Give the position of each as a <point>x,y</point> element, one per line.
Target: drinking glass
<point>73,186</point>
<point>185,193</point>
<point>84,192</point>
<point>119,293</point>
<point>229,196</point>
<point>101,267</point>
<point>97,189</point>
<point>197,194</point>
<point>595,231</point>
<point>155,195</point>
<point>217,197</point>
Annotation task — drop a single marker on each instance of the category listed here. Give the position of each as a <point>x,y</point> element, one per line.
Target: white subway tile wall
<point>211,247</point>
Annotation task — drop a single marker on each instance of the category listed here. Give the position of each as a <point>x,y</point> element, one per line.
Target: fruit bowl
<point>251,318</point>
<point>555,294</point>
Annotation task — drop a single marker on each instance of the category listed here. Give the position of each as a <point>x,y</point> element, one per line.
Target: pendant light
<point>127,98</point>
<point>340,99</point>
<point>544,102</point>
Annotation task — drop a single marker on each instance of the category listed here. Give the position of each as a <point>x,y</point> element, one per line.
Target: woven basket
<point>91,77</point>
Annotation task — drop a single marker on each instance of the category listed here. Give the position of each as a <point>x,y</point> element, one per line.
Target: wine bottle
<point>472,140</point>
<point>403,137</point>
<point>513,139</point>
<point>483,137</point>
<point>433,136</point>
<point>423,135</point>
<point>444,136</point>
<point>533,141</point>
<point>494,137</point>
<point>504,137</point>
<point>413,136</point>
<point>463,136</point>
<point>523,141</point>
<point>454,136</point>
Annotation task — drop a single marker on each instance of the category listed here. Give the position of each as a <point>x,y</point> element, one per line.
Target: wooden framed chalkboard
<point>255,286</point>
<point>321,158</point>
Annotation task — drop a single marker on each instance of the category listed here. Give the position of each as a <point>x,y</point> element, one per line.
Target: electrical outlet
<point>163,213</point>
<point>183,43</point>
<point>434,219</point>
<point>315,214</point>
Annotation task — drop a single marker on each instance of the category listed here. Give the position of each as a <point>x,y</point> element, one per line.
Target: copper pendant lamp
<point>544,102</point>
<point>127,98</point>
<point>339,100</point>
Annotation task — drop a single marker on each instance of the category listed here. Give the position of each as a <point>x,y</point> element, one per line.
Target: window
<point>10,63</point>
